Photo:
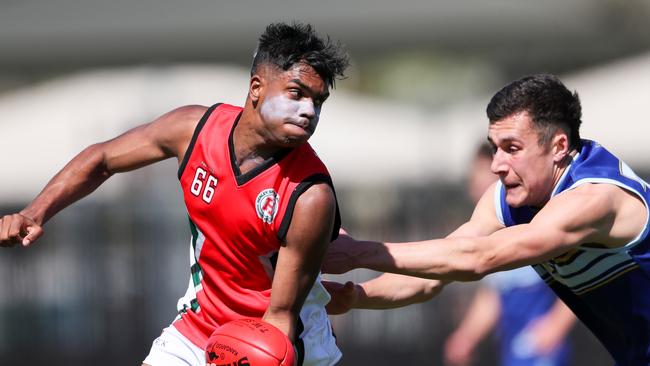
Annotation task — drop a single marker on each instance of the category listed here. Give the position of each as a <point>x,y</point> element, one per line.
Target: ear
<point>255,86</point>
<point>560,146</point>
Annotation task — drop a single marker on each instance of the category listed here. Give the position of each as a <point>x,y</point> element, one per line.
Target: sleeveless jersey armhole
<point>497,202</point>
<point>195,136</point>
<point>297,192</point>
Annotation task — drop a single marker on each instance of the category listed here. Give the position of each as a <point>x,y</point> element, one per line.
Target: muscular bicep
<point>577,217</point>
<point>165,137</point>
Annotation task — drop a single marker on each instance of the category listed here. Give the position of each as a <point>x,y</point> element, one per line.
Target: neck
<point>250,144</point>
<point>562,166</point>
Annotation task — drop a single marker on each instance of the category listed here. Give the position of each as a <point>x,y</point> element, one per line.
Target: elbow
<point>96,155</point>
<point>483,265</point>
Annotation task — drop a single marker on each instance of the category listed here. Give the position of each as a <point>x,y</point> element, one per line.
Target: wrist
<point>33,214</point>
<point>368,254</point>
<point>360,297</point>
<point>284,321</point>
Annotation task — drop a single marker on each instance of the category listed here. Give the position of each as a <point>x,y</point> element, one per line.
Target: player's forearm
<point>81,176</point>
<point>390,291</point>
<point>288,295</point>
<point>455,259</point>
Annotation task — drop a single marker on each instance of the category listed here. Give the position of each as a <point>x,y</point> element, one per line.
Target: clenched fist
<point>18,229</point>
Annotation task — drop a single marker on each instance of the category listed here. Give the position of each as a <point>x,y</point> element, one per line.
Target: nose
<point>499,164</point>
<point>307,109</point>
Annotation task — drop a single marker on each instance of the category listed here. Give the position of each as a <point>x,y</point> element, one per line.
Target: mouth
<point>305,125</point>
<point>509,186</point>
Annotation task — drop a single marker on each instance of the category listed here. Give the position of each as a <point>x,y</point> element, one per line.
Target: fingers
<point>348,287</point>
<point>18,229</point>
<point>14,229</point>
<point>8,235</point>
<point>332,286</point>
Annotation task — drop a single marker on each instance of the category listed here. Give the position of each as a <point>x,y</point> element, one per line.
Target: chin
<point>514,203</point>
<point>294,141</point>
<point>515,200</point>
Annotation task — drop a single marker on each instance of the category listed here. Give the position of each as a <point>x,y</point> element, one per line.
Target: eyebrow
<point>503,140</point>
<point>310,90</point>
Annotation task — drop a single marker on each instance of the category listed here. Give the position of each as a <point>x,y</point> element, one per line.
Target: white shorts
<point>173,349</point>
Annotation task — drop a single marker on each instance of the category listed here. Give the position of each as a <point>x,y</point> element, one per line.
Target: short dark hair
<point>285,45</point>
<point>548,102</point>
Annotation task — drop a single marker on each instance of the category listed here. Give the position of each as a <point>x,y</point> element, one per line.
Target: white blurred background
<point>397,135</point>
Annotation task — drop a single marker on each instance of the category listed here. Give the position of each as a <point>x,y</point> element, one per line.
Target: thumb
<point>348,287</point>
<point>33,233</point>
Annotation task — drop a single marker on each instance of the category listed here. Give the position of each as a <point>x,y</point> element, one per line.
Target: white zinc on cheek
<point>280,108</point>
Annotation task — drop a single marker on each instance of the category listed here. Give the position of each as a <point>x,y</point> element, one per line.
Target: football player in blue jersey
<point>565,205</point>
<point>530,323</point>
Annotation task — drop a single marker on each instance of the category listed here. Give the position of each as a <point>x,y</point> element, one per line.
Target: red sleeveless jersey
<point>238,222</point>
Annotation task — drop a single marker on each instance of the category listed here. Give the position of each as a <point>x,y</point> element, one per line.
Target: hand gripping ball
<point>249,342</point>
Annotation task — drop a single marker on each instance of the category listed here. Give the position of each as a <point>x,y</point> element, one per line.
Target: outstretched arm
<point>299,261</point>
<point>392,290</point>
<point>165,137</point>
<point>608,215</point>
<point>387,291</point>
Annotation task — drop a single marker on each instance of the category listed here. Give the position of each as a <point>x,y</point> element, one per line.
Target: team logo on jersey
<point>267,205</point>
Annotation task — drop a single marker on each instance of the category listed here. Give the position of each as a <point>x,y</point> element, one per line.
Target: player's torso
<point>238,222</point>
<point>606,288</point>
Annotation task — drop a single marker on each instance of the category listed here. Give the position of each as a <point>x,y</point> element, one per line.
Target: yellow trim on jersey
<point>593,287</point>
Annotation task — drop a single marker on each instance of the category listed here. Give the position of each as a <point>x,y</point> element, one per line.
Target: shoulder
<point>605,213</point>
<point>304,166</point>
<point>587,200</point>
<point>589,195</point>
<point>176,127</point>
<point>318,196</point>
<point>314,215</point>
<point>585,213</point>
<point>188,114</point>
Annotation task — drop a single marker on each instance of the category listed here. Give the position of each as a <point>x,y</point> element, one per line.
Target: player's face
<point>291,104</point>
<point>525,168</point>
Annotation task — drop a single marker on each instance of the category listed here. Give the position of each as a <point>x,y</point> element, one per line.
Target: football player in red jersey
<point>261,204</point>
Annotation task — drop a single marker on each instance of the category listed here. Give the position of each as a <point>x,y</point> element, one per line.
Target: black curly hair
<point>548,102</point>
<point>285,45</point>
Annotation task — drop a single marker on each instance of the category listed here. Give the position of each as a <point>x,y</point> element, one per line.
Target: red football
<point>249,342</point>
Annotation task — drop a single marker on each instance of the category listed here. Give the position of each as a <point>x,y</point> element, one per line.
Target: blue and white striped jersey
<point>608,289</point>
